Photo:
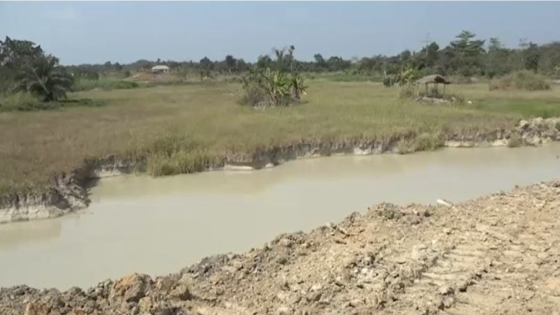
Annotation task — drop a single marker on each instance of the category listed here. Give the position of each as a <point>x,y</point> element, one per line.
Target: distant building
<point>160,69</point>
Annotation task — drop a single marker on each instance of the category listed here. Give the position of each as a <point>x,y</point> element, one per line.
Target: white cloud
<point>63,14</point>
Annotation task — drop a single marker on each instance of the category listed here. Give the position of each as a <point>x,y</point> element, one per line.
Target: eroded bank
<point>69,192</point>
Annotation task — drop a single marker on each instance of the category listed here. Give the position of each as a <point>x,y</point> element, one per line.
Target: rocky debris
<point>424,100</point>
<point>496,254</point>
<point>539,130</point>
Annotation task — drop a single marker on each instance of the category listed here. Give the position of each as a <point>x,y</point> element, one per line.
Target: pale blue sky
<point>93,32</point>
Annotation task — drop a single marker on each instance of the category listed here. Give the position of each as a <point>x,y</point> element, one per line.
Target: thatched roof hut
<point>434,78</point>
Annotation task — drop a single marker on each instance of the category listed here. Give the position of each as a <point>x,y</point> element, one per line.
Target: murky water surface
<point>158,226</point>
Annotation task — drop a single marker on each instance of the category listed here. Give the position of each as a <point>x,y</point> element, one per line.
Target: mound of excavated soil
<point>494,255</point>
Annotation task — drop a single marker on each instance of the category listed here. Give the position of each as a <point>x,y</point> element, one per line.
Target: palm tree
<point>279,53</point>
<point>291,54</point>
<point>45,78</point>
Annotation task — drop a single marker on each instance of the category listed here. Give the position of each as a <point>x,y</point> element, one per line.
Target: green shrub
<point>520,80</point>
<point>254,96</point>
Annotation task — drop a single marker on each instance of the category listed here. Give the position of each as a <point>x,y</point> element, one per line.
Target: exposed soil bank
<point>68,191</point>
<point>494,255</point>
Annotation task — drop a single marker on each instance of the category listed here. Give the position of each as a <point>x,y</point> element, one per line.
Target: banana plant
<point>298,85</point>
<point>407,75</point>
<point>277,85</point>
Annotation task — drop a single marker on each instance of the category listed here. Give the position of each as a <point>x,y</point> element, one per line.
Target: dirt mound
<point>494,255</point>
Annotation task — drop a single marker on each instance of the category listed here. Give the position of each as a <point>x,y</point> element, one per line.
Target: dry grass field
<point>184,123</point>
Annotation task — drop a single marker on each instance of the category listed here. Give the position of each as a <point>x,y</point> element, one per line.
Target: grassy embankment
<point>179,127</point>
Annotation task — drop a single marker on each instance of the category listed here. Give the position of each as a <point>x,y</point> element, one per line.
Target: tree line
<point>466,55</point>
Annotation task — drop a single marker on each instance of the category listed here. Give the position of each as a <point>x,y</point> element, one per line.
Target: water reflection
<point>17,234</point>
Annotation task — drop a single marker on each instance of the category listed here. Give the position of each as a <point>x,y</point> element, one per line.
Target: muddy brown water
<point>158,226</point>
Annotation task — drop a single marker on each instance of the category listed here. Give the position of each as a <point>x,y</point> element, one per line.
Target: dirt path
<point>495,255</point>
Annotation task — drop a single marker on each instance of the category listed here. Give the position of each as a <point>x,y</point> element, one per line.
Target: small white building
<point>160,69</point>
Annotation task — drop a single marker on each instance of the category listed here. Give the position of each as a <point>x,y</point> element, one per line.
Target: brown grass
<point>179,128</point>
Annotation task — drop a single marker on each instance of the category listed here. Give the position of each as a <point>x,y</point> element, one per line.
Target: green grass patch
<point>528,108</point>
<point>24,102</point>
<point>106,84</point>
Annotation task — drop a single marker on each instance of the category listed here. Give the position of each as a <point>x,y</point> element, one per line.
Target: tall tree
<point>264,62</point>
<point>531,57</point>
<point>468,53</point>
<point>496,58</point>
<point>15,54</point>
<point>205,63</point>
<point>230,63</point>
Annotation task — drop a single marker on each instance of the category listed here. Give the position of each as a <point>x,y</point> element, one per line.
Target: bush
<point>520,80</point>
<point>254,96</point>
